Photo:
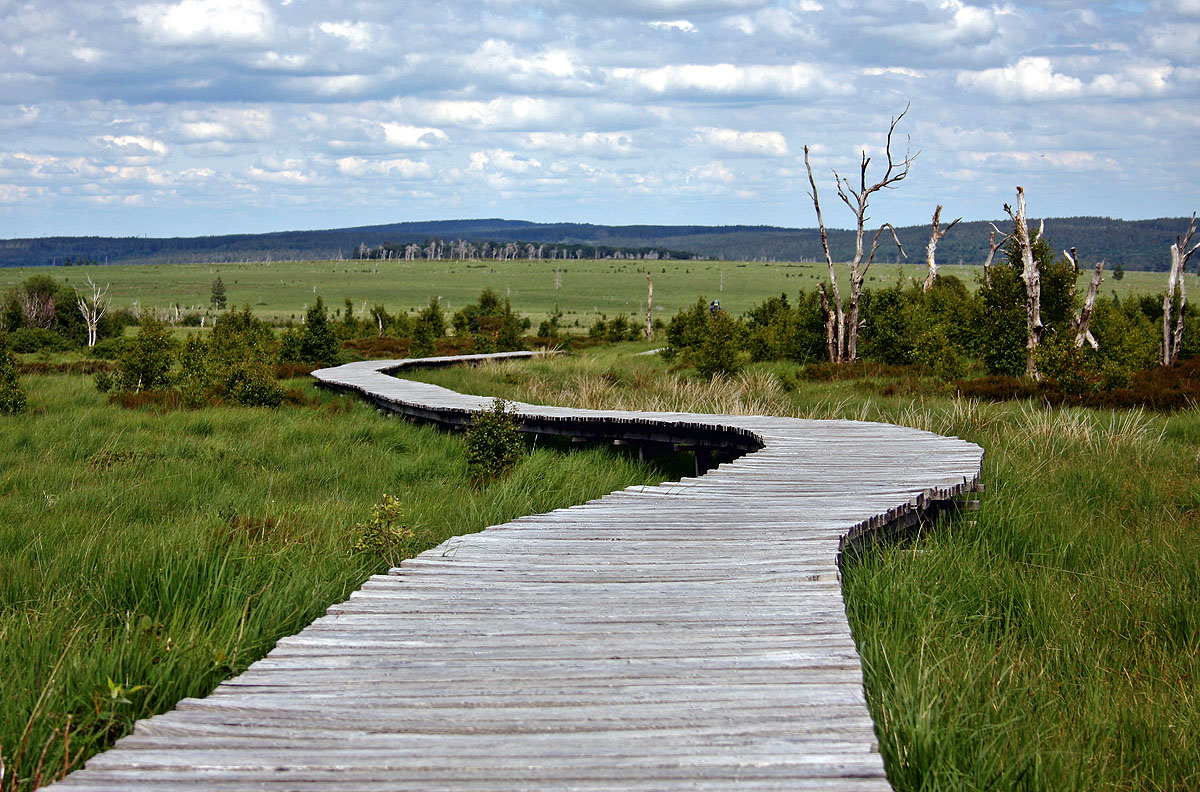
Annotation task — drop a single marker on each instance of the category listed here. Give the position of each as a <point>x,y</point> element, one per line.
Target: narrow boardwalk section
<point>687,636</point>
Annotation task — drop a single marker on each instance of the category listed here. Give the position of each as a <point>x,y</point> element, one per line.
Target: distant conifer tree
<point>218,294</point>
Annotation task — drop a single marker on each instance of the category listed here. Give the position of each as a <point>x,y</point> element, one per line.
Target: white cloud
<point>335,86</point>
<point>225,125</point>
<point>504,112</point>
<point>399,168</point>
<point>133,147</point>
<point>682,25</point>
<point>502,160</point>
<point>412,137</point>
<point>547,67</point>
<point>710,172</point>
<point>1034,79</point>
<point>357,34</point>
<point>769,144</point>
<point>286,176</point>
<point>903,71</point>
<point>205,21</point>
<point>593,143</point>
<point>728,79</point>
<point>1030,78</point>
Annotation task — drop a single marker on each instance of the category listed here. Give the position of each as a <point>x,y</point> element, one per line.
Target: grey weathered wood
<point>689,635</point>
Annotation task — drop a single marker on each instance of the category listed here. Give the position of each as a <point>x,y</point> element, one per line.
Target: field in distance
<point>583,289</point>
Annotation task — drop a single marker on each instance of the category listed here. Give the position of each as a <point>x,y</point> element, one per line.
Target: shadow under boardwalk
<point>689,635</point>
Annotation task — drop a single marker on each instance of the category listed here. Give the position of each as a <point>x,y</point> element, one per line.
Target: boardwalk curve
<point>689,635</point>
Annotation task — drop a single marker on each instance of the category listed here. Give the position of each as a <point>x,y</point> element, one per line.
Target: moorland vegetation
<point>173,500</point>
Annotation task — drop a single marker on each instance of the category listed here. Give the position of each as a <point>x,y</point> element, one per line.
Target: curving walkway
<point>687,636</point>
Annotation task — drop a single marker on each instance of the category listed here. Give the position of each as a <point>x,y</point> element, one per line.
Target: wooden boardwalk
<point>687,636</point>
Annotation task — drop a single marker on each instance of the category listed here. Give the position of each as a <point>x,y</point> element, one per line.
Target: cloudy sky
<point>191,117</point>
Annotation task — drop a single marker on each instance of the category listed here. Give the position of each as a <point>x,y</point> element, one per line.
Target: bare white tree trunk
<point>93,308</point>
<point>935,236</point>
<point>1033,283</point>
<point>835,319</point>
<point>847,325</point>
<point>993,246</point>
<point>1172,322</point>
<point>830,322</point>
<point>1084,320</point>
<point>649,306</point>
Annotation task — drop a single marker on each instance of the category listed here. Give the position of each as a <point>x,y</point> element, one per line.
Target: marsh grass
<point>1049,641</point>
<point>145,556</point>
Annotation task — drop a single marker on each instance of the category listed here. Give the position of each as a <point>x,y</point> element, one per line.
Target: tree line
<point>437,248</point>
<point>1133,244</point>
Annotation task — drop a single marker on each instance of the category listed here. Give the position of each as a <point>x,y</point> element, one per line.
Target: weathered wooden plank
<point>683,636</point>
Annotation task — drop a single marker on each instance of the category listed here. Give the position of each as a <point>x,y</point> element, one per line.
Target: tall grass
<point>145,557</point>
<point>1049,641</point>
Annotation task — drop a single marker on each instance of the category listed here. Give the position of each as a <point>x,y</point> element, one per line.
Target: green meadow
<point>1049,641</point>
<point>146,556</point>
<point>584,290</point>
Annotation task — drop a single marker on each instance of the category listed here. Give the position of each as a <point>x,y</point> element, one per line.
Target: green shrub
<point>718,353</point>
<point>429,326</point>
<point>384,534</point>
<point>252,383</point>
<point>549,327</point>
<point>707,340</point>
<point>493,442</point>
<point>12,396</point>
<point>491,323</point>
<point>1000,337</point>
<point>235,363</point>
<point>776,330</point>
<point>687,329</point>
<point>933,350</point>
<point>317,341</point>
<point>37,339</point>
<point>289,347</point>
<point>145,363</point>
<point>109,348</point>
<point>1068,367</point>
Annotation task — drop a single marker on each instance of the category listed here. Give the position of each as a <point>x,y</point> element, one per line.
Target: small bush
<point>109,348</point>
<point>718,353</point>
<point>493,442</point>
<point>145,363</point>
<point>252,383</point>
<point>933,350</point>
<point>384,533</point>
<point>12,396</point>
<point>316,339</point>
<point>37,339</point>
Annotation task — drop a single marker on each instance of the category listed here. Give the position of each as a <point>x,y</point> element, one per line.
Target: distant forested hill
<point>1136,244</point>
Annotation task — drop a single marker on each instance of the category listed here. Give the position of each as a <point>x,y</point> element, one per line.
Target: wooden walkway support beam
<point>689,635</point>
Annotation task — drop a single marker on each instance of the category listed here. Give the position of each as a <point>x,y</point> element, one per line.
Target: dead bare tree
<point>92,308</point>
<point>843,337</point>
<point>830,324</point>
<point>1033,282</point>
<point>1173,321</point>
<point>1083,319</point>
<point>993,246</point>
<point>935,236</point>
<point>649,306</point>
